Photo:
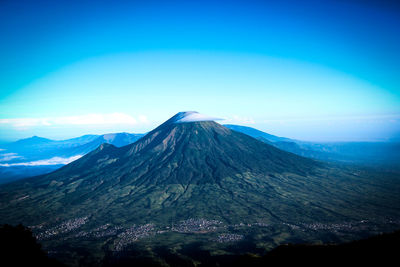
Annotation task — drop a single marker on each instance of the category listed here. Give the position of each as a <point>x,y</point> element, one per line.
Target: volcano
<point>192,167</point>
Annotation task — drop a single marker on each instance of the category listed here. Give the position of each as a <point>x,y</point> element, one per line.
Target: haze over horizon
<point>305,70</point>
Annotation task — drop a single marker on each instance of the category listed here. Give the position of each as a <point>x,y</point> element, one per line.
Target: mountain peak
<point>191,116</point>
<point>33,139</point>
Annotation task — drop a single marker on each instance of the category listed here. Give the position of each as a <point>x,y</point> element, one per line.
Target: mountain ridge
<point>372,154</point>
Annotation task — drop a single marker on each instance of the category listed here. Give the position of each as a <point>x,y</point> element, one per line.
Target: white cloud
<point>42,162</point>
<point>9,156</point>
<point>192,116</point>
<point>143,119</point>
<point>239,120</point>
<point>113,118</point>
<point>366,118</point>
<point>87,119</point>
<point>26,122</point>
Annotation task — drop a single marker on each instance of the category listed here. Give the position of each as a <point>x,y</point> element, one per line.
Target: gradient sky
<point>301,69</point>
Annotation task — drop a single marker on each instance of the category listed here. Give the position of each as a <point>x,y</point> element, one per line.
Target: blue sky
<point>299,69</point>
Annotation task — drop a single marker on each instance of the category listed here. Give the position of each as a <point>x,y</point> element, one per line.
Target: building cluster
<point>63,228</point>
<point>196,226</point>
<point>334,227</point>
<point>125,236</point>
<point>225,238</point>
<point>133,234</point>
<point>101,231</point>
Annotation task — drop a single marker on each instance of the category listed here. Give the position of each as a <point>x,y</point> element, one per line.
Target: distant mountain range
<point>36,155</point>
<point>266,137</point>
<point>382,154</point>
<point>197,184</point>
<point>35,148</point>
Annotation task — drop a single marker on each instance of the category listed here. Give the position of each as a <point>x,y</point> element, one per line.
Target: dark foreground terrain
<point>18,247</point>
<point>382,250</point>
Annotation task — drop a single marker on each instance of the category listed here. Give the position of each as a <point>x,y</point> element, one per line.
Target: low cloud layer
<point>9,156</point>
<point>238,120</point>
<point>87,119</point>
<point>43,162</point>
